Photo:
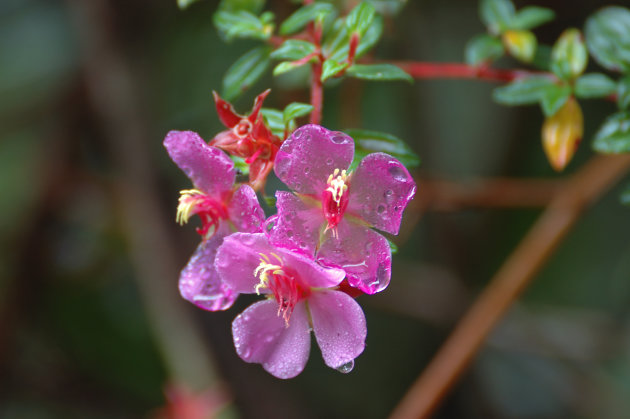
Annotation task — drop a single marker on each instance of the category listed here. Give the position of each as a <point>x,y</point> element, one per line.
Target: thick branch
<point>430,70</point>
<point>519,269</point>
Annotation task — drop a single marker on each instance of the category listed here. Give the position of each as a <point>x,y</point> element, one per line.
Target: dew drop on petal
<point>397,173</point>
<point>307,170</point>
<point>329,161</point>
<point>289,233</point>
<point>346,368</point>
<point>380,209</point>
<point>339,139</point>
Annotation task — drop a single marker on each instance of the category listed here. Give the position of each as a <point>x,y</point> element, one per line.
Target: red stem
<point>428,70</point>
<point>317,92</point>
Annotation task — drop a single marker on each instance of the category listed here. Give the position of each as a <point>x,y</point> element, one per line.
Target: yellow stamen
<point>263,269</point>
<point>337,184</point>
<point>187,201</point>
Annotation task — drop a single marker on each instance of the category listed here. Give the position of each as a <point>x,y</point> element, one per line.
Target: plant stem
<point>317,92</point>
<point>429,70</point>
<point>518,270</point>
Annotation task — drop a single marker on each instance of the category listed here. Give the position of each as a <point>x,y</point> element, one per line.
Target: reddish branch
<point>519,269</point>
<point>429,70</point>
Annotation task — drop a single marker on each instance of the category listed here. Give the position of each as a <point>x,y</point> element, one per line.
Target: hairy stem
<point>512,278</point>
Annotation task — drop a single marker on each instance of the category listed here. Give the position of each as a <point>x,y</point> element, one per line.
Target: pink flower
<point>223,209</point>
<point>332,210</point>
<point>302,296</point>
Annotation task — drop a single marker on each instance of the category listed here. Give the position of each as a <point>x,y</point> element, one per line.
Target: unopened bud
<point>562,133</point>
<point>520,44</point>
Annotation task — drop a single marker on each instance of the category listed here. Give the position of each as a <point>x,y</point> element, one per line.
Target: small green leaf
<point>275,121</point>
<point>553,97</point>
<point>625,196</point>
<point>296,110</point>
<point>240,165</point>
<point>607,34</point>
<point>243,24</point>
<point>520,44</point>
<point>366,142</point>
<point>623,93</point>
<point>245,72</point>
<point>392,246</point>
<point>614,135</point>
<point>496,14</point>
<point>183,4</point>
<point>253,6</point>
<point>270,201</point>
<point>378,72</point>
<point>283,67</point>
<point>483,48</point>
<point>569,55</point>
<point>298,20</point>
<point>336,42</point>
<point>293,49</point>
<point>522,92</point>
<point>594,85</point>
<point>360,18</point>
<point>331,68</point>
<point>530,17</point>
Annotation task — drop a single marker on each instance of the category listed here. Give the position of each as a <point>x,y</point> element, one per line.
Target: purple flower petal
<point>245,211</point>
<point>339,326</point>
<point>240,255</point>
<point>261,336</point>
<point>210,169</point>
<point>363,253</point>
<point>199,281</point>
<point>380,189</point>
<point>310,155</point>
<point>298,224</point>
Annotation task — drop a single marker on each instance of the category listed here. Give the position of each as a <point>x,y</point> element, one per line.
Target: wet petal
<point>339,326</point>
<point>363,253</point>
<point>310,155</point>
<point>380,189</point>
<point>226,112</point>
<point>310,272</point>
<point>245,211</point>
<point>210,169</point>
<point>261,336</point>
<point>298,224</point>
<point>199,281</point>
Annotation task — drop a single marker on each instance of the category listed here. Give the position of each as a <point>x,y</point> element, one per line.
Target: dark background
<point>91,322</point>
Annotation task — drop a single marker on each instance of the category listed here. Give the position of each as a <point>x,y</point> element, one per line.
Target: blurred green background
<point>91,322</point>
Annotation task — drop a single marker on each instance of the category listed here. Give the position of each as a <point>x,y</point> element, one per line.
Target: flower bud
<point>520,44</point>
<point>562,133</point>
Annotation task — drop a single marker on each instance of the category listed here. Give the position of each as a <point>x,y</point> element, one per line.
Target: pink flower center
<point>283,283</point>
<point>211,212</point>
<point>335,199</point>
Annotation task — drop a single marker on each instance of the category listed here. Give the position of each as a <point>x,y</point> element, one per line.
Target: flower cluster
<point>310,258</point>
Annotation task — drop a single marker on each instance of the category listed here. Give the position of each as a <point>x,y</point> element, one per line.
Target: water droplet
<point>346,368</point>
<point>307,170</point>
<point>397,172</point>
<point>382,275</point>
<point>290,233</point>
<point>329,161</point>
<point>268,338</point>
<point>246,353</point>
<point>380,209</point>
<point>297,186</point>
<point>302,244</point>
<point>339,139</point>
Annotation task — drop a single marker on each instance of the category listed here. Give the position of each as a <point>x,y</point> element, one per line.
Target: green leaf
<point>336,42</point>
<point>522,92</point>
<point>623,93</point>
<point>360,18</point>
<point>293,49</point>
<point>240,165</point>
<point>243,24</point>
<point>542,58</point>
<point>366,142</point>
<point>496,14</point>
<point>392,246</point>
<point>553,97</point>
<point>253,6</point>
<point>378,72</point>
<point>483,48</point>
<point>270,201</point>
<point>594,85</point>
<point>520,44</point>
<point>275,121</point>
<point>245,72</point>
<point>607,36</point>
<point>183,4</point>
<point>296,110</point>
<point>569,55</point>
<point>530,17</point>
<point>331,68</point>
<point>298,20</point>
<point>614,135</point>
<point>625,196</point>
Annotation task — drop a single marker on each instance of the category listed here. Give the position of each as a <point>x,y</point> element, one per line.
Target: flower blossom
<point>222,207</point>
<point>247,137</point>
<point>302,296</point>
<point>332,211</point>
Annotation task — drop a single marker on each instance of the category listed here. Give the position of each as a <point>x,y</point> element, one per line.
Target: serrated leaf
<point>296,110</point>
<point>594,85</point>
<point>360,18</point>
<point>293,49</point>
<point>242,24</point>
<point>331,68</point>
<point>336,42</point>
<point>569,55</point>
<point>520,44</point>
<point>253,6</point>
<point>274,119</point>
<point>366,142</point>
<point>625,196</point>
<point>483,48</point>
<point>378,72</point>
<point>301,17</point>
<point>245,72</point>
<point>496,14</point>
<point>530,17</point>
<point>614,135</point>
<point>553,97</point>
<point>522,92</point>
<point>623,93</point>
<point>607,34</point>
<point>182,4</point>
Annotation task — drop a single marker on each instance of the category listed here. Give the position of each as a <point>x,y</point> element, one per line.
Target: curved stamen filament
<point>337,184</point>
